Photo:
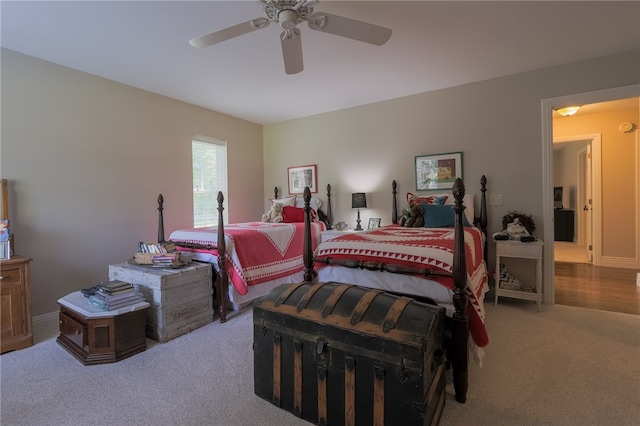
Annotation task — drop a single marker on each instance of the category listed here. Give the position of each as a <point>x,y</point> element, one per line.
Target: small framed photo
<point>374,222</point>
<point>5,250</point>
<point>301,177</point>
<point>438,171</point>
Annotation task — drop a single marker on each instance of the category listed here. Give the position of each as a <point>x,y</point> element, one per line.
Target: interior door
<point>585,202</point>
<point>588,207</point>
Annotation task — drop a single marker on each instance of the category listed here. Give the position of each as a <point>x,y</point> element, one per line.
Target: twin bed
<point>444,265</point>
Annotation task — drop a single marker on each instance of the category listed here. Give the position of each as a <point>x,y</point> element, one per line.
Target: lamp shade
<point>359,200</point>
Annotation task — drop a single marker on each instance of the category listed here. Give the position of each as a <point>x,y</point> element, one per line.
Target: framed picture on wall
<point>301,177</point>
<point>438,171</point>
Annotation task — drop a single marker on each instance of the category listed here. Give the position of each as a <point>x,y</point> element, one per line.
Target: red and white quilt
<point>422,248</point>
<point>256,252</point>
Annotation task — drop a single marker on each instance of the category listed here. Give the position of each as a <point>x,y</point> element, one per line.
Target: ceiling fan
<point>288,14</point>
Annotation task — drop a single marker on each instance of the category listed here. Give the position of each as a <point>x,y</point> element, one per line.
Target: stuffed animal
<point>274,215</point>
<point>415,217</point>
<point>516,231</point>
<point>516,226</point>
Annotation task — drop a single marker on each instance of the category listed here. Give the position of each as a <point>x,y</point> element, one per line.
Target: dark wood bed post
<point>275,193</point>
<point>483,212</point>
<point>222,280</point>
<point>394,206</point>
<point>458,354</point>
<point>329,210</point>
<point>160,219</point>
<point>307,252</point>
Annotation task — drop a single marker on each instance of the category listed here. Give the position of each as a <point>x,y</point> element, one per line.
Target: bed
<point>443,265</point>
<point>252,258</point>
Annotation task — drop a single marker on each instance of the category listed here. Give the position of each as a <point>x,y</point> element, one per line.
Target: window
<point>209,160</point>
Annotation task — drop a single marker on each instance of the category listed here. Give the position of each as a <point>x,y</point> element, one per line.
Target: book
<point>110,296</point>
<point>97,301</point>
<point>115,285</point>
<point>119,291</point>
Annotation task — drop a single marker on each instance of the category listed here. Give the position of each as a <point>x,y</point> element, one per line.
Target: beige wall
<point>86,159</point>
<point>497,125</point>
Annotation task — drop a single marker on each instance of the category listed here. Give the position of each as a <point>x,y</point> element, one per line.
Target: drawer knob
<point>76,332</point>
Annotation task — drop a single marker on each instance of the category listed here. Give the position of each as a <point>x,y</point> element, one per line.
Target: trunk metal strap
<point>285,294</point>
<point>391,319</point>
<point>363,305</point>
<point>333,299</point>
<point>308,295</point>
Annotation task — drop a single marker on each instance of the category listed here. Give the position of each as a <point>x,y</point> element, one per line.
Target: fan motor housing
<point>288,19</point>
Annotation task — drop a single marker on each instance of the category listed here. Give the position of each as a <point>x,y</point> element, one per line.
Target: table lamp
<point>358,201</point>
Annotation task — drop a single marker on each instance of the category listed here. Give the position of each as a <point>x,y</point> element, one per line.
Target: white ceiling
<point>434,45</point>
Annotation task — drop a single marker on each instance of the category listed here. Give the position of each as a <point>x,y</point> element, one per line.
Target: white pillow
<point>287,201</point>
<point>314,203</point>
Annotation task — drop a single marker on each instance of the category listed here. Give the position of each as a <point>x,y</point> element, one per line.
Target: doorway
<point>572,174</point>
<point>548,106</point>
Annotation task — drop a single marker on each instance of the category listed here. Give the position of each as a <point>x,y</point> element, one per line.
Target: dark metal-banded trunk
<point>340,354</point>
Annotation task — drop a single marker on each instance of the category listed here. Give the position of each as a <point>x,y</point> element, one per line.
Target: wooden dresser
<point>15,285</point>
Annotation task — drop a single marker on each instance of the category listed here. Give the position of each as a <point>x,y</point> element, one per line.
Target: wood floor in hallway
<point>596,287</point>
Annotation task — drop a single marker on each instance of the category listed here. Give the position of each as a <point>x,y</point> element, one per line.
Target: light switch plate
<point>495,199</point>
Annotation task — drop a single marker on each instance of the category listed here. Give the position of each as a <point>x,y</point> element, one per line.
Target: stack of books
<point>114,295</point>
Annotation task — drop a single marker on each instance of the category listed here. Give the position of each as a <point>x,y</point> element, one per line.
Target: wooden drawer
<point>73,330</point>
<point>11,275</point>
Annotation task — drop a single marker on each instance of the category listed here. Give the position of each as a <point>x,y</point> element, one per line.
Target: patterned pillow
<point>426,199</point>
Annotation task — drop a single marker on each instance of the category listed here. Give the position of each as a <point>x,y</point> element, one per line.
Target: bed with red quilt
<point>444,265</point>
<point>259,255</point>
<point>430,248</point>
<point>252,258</point>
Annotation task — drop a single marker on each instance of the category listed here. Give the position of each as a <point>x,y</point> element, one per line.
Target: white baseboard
<point>45,326</point>
<point>46,320</point>
<point>619,262</point>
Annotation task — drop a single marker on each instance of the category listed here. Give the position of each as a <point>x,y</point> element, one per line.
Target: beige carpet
<point>562,366</point>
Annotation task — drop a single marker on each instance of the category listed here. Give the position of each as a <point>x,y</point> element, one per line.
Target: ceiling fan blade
<point>350,28</point>
<point>292,51</point>
<point>229,33</point>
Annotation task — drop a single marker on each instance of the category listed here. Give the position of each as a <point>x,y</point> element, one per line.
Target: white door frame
<point>548,105</point>
<point>595,140</point>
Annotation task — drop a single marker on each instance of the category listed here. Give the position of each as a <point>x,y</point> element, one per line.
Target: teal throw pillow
<point>441,216</point>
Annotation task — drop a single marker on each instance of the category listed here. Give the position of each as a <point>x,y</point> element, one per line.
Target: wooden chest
<point>95,336</point>
<point>181,299</point>
<point>339,354</point>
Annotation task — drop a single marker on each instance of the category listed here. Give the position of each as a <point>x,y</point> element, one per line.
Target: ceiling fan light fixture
<point>288,19</point>
<point>568,111</point>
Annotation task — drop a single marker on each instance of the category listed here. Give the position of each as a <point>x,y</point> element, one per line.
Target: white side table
<point>531,250</point>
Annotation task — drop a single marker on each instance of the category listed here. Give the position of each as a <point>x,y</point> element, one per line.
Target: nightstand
<point>333,233</point>
<point>531,250</point>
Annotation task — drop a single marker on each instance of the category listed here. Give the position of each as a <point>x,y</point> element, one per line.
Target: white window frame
<point>212,179</point>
